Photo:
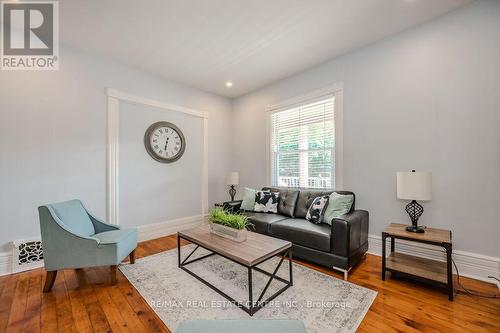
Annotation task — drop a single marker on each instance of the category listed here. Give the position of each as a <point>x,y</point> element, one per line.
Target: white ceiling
<point>204,43</point>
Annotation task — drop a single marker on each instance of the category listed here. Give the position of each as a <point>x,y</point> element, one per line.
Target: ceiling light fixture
<point>229,84</point>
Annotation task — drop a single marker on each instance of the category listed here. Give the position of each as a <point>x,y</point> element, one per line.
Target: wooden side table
<point>422,269</point>
<point>232,206</point>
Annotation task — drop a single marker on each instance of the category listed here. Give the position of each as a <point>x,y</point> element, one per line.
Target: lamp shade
<point>414,185</point>
<point>232,178</point>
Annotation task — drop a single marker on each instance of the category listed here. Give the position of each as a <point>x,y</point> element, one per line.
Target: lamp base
<point>232,192</point>
<point>414,228</point>
<point>414,210</point>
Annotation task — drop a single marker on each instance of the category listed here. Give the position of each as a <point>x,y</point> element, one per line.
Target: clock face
<point>164,142</point>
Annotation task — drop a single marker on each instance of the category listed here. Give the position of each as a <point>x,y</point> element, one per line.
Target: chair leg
<point>114,279</point>
<point>50,278</point>
<point>132,257</point>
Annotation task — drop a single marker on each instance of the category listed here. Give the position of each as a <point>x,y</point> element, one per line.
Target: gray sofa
<point>340,245</point>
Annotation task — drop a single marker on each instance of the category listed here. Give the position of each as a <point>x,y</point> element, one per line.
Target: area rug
<point>324,303</point>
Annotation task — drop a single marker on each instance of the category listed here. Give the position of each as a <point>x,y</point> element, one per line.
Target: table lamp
<point>232,179</point>
<point>414,186</point>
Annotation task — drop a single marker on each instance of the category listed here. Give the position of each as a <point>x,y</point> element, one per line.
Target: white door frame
<point>113,108</point>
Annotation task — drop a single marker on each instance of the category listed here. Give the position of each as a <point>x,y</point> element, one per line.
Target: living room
<point>250,166</point>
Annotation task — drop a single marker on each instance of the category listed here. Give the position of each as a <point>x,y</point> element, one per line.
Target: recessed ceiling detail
<point>202,43</point>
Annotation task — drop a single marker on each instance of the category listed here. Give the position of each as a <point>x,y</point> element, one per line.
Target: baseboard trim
<point>162,229</point>
<point>471,265</point>
<point>5,263</point>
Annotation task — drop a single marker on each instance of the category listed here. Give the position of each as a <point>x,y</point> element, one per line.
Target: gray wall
<point>152,192</point>
<point>53,135</point>
<point>425,99</point>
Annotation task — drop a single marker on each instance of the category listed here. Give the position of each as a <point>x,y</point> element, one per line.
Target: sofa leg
<point>345,271</point>
<point>50,278</point>
<point>132,257</point>
<point>114,279</point>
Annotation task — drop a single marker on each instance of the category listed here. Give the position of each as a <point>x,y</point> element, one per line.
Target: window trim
<point>337,90</point>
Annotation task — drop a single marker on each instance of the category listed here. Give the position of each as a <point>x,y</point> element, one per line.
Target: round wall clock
<point>164,142</point>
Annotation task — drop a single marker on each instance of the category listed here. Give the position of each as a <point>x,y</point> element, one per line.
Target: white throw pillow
<point>266,202</point>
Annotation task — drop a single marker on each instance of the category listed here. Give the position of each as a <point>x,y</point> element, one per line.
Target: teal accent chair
<point>241,326</point>
<point>74,238</point>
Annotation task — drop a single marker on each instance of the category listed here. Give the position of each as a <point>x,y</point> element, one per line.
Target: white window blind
<point>303,145</point>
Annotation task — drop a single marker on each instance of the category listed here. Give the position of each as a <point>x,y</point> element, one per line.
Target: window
<point>302,140</point>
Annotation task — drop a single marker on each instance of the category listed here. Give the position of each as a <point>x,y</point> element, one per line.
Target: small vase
<point>238,235</point>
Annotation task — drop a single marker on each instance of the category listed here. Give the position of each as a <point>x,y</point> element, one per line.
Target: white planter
<point>238,235</point>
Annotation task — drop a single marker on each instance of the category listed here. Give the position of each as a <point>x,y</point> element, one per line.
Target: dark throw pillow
<point>317,209</point>
<point>266,202</point>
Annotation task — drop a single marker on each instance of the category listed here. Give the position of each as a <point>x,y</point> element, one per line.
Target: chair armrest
<point>63,248</point>
<point>101,226</point>
<point>54,229</point>
<point>349,233</point>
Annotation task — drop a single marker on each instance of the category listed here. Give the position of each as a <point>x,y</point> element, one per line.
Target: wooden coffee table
<point>250,253</point>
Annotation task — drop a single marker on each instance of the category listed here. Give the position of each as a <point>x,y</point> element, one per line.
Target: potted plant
<point>229,225</point>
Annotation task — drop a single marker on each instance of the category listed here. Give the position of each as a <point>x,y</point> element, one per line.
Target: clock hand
<point>166,143</point>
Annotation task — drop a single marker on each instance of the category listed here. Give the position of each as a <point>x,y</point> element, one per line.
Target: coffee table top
<point>254,250</point>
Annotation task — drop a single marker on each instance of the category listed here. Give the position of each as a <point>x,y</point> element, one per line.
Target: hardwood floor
<point>84,301</point>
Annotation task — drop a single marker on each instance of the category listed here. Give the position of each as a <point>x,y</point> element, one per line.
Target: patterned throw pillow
<point>266,202</point>
<point>317,209</point>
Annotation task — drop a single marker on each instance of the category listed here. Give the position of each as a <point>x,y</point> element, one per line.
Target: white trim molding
<point>337,91</point>
<point>5,263</point>
<point>166,228</point>
<point>126,97</point>
<point>471,265</point>
<point>114,97</point>
<point>112,207</point>
<point>331,90</point>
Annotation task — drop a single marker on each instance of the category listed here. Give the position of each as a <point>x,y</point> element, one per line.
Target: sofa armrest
<point>349,233</point>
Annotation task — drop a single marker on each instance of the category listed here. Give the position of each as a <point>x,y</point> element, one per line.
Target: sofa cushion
<point>116,244</point>
<point>287,200</point>
<point>303,232</point>
<point>262,221</point>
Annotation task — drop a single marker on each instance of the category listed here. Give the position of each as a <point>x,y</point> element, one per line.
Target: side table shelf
<point>416,266</point>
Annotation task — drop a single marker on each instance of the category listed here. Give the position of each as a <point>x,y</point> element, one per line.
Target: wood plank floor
<point>84,301</point>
